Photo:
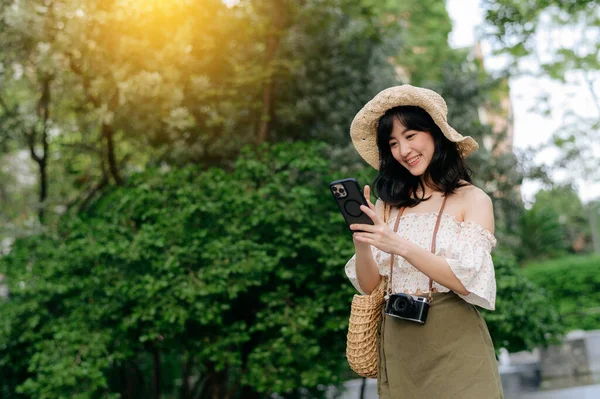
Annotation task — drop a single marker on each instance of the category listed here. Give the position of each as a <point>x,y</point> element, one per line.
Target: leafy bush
<point>573,286</point>
<point>522,319</point>
<point>542,235</point>
<point>203,282</point>
<point>239,273</point>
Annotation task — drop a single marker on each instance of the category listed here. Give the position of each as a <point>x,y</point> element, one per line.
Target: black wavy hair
<point>394,183</point>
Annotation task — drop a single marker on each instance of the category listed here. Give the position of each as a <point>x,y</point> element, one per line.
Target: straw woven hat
<point>363,130</point>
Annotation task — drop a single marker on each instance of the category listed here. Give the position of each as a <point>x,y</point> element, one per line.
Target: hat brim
<point>363,129</point>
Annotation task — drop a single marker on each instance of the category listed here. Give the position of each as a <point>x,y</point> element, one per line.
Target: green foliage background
<point>572,284</point>
<point>239,271</point>
<point>187,245</point>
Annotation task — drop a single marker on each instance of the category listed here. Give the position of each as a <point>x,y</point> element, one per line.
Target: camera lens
<point>342,190</point>
<point>402,303</point>
<point>334,188</point>
<point>337,195</point>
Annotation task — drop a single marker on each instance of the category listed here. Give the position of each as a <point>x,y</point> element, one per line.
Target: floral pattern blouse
<point>466,246</point>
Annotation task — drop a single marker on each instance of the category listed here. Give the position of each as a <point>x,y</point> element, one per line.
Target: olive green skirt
<point>450,356</point>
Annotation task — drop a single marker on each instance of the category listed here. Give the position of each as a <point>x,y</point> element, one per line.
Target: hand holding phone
<point>348,196</point>
<point>367,195</point>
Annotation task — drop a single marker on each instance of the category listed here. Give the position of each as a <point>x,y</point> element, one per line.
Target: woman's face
<point>412,148</point>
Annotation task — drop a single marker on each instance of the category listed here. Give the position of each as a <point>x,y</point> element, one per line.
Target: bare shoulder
<point>468,193</point>
<point>474,193</point>
<point>479,207</point>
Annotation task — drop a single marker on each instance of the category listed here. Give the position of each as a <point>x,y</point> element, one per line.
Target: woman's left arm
<point>480,210</point>
<point>433,266</point>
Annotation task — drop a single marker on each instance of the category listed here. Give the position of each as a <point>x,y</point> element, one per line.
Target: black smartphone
<point>349,197</point>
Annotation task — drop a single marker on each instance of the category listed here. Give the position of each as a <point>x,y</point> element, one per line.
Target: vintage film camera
<point>408,307</point>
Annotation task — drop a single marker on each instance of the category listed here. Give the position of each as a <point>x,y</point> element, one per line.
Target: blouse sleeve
<point>471,262</point>
<point>351,264</point>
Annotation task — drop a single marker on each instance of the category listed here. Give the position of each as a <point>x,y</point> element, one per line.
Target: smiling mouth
<point>414,161</point>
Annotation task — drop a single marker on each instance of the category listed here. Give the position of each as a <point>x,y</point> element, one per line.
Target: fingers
<point>362,227</point>
<point>370,211</point>
<point>361,240</point>
<point>368,197</point>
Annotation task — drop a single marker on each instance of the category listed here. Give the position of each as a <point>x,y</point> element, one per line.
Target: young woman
<point>425,189</point>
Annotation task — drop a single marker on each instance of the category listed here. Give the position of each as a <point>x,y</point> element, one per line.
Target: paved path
<point>584,392</point>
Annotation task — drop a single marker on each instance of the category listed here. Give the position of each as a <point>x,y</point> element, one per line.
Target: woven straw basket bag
<point>365,314</point>
<point>361,346</point>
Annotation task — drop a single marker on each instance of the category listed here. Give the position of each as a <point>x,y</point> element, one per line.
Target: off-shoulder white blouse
<point>466,246</point>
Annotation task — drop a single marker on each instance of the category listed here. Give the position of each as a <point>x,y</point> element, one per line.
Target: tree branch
<point>85,202</point>
<point>85,81</point>
<point>30,136</point>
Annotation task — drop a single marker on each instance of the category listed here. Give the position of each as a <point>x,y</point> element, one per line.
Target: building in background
<point>496,112</point>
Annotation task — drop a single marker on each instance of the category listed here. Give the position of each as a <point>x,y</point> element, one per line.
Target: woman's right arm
<point>367,272</point>
<point>362,268</point>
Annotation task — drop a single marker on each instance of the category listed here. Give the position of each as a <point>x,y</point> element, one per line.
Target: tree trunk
<point>218,385</point>
<point>185,377</point>
<point>214,386</point>
<point>278,22</point>
<point>199,389</point>
<point>107,130</point>
<point>42,159</point>
<point>156,373</point>
<point>267,111</point>
<point>43,190</point>
<point>248,393</point>
<point>108,135</point>
<point>129,380</point>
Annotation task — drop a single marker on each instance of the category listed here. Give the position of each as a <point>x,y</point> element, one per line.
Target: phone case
<point>349,197</point>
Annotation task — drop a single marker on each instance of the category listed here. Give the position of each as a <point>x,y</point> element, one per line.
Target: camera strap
<point>435,230</point>
<point>400,212</point>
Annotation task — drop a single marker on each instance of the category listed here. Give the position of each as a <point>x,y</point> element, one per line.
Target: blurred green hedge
<point>220,275</point>
<point>573,287</point>
<point>521,320</point>
<point>209,276</point>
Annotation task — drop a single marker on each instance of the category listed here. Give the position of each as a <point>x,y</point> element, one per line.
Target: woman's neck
<point>428,190</point>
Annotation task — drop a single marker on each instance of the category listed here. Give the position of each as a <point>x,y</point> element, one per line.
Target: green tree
<point>542,235</point>
<point>551,38</point>
<point>573,216</point>
<point>150,83</point>
<point>424,53</point>
<point>468,89</point>
<point>557,224</point>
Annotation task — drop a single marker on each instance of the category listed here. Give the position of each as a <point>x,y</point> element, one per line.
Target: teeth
<point>411,161</point>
